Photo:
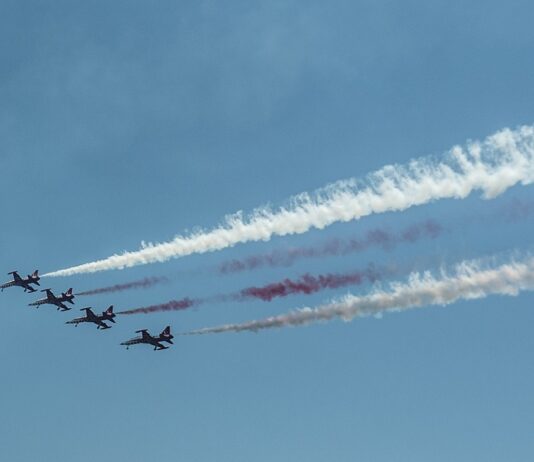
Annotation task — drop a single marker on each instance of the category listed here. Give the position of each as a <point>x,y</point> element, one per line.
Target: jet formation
<point>90,317</point>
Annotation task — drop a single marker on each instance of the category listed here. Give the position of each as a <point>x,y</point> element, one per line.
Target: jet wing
<point>89,314</point>
<point>62,306</point>
<point>49,295</point>
<point>27,287</point>
<point>16,276</point>
<point>144,334</point>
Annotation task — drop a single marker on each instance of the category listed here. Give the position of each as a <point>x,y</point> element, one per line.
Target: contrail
<point>141,284</point>
<point>377,237</point>
<point>491,166</point>
<point>468,281</point>
<point>306,284</point>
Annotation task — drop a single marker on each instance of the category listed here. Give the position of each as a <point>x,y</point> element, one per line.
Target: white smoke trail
<point>468,281</point>
<point>492,166</point>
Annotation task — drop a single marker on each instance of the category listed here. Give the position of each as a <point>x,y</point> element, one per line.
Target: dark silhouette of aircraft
<point>51,299</point>
<point>20,282</point>
<point>107,315</point>
<point>145,337</point>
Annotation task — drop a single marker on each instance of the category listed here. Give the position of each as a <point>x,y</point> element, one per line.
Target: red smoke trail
<point>374,238</point>
<point>306,284</point>
<point>141,284</point>
<point>173,305</point>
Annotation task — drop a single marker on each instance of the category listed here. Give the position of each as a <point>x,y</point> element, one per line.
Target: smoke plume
<point>335,247</point>
<point>173,305</point>
<point>491,166</point>
<point>468,281</point>
<point>141,284</point>
<point>306,284</point>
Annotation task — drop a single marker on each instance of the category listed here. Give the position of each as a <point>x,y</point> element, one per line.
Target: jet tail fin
<point>166,332</point>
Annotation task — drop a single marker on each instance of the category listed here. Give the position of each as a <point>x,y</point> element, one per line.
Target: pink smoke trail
<point>306,284</point>
<point>335,247</point>
<point>141,284</point>
<point>173,305</point>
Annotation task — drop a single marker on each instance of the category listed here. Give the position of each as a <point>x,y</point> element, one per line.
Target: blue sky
<point>127,121</point>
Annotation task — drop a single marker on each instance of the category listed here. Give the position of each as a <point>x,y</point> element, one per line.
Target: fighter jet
<point>51,299</point>
<point>20,282</point>
<point>107,315</point>
<point>145,337</point>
